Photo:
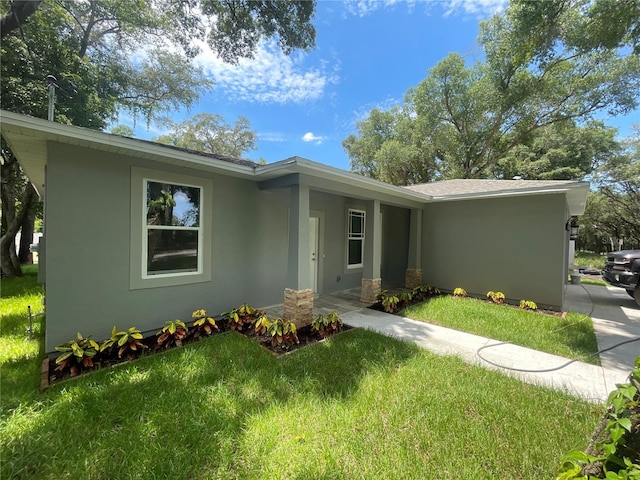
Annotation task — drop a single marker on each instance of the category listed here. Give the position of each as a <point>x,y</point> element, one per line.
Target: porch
<point>341,302</point>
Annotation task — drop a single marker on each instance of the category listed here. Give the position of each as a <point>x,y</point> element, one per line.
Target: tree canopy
<point>210,133</point>
<point>544,72</point>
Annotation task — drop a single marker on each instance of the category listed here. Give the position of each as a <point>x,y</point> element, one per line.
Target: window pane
<point>356,223</point>
<point>175,205</point>
<point>355,252</point>
<point>172,251</point>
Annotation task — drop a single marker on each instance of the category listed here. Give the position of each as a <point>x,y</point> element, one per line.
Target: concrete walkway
<point>615,319</point>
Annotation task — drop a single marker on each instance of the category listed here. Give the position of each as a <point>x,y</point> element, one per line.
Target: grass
<point>593,281</point>
<point>589,259</point>
<point>571,337</point>
<point>358,406</point>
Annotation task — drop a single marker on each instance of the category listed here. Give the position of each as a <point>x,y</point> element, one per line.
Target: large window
<point>355,240</point>
<point>170,229</point>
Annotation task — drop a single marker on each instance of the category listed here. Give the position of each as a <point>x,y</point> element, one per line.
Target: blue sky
<point>368,53</point>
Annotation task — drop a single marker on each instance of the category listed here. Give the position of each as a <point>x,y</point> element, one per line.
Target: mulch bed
<point>49,376</point>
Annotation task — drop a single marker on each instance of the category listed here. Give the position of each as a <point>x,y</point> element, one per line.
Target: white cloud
<point>310,137</point>
<point>481,8</point>
<point>273,137</point>
<point>270,77</point>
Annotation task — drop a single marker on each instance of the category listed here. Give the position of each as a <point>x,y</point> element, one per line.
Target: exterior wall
<point>516,245</point>
<point>395,245</point>
<point>335,275</point>
<point>88,280</point>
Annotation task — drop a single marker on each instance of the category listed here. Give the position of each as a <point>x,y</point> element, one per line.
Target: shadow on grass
<point>576,332</point>
<point>19,286</point>
<point>183,412</point>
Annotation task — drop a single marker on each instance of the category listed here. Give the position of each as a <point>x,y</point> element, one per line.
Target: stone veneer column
<point>412,278</point>
<point>298,306</point>
<point>371,287</point>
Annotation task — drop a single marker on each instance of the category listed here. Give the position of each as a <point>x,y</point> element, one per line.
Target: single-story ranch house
<point>137,233</point>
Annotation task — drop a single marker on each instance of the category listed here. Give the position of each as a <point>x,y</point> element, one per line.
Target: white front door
<point>314,236</point>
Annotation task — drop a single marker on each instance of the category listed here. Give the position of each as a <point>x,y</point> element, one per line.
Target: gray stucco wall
<point>395,245</point>
<point>88,251</point>
<point>335,275</point>
<point>515,245</point>
<point>89,246</point>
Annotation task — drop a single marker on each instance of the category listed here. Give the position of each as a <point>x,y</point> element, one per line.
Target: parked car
<point>623,270</point>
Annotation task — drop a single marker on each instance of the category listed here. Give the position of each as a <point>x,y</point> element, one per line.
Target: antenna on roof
<point>53,83</point>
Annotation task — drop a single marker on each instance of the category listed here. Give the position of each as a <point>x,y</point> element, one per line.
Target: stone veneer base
<point>371,287</point>
<point>298,306</point>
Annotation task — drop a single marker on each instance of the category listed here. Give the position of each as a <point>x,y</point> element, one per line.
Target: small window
<point>355,240</point>
<point>172,228</point>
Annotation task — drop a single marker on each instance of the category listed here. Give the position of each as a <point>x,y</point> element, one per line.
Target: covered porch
<point>344,235</point>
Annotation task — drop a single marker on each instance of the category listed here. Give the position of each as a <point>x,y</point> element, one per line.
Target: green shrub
<point>615,447</point>
<point>242,318</point>
<point>82,350</point>
<point>528,305</point>
<point>261,325</point>
<point>129,340</point>
<point>496,297</point>
<point>459,292</point>
<point>203,324</point>
<point>327,325</point>
<point>283,333</point>
<point>173,332</point>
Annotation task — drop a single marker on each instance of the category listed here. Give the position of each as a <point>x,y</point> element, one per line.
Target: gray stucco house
<point>137,233</point>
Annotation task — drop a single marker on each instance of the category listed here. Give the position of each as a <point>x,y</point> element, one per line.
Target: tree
<point>109,55</point>
<point>210,133</point>
<point>562,151</point>
<point>618,183</point>
<point>535,75</point>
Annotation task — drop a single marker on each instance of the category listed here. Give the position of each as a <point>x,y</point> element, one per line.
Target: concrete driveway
<point>616,319</point>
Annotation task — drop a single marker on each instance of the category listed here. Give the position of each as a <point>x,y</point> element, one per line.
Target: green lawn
<point>571,337</point>
<point>358,406</point>
<point>590,259</point>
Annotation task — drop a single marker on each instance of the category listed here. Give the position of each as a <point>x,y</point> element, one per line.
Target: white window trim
<point>138,277</point>
<point>360,237</point>
<point>145,230</point>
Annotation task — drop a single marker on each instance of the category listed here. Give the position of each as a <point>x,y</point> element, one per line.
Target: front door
<point>314,237</point>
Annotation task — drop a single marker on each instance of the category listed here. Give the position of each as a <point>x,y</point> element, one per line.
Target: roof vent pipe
<point>52,94</point>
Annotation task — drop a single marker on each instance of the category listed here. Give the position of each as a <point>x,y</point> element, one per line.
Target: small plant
<point>129,340</point>
<point>424,291</point>
<point>528,305</point>
<point>203,323</point>
<point>283,333</point>
<point>82,350</point>
<point>173,332</point>
<point>261,325</point>
<point>496,297</point>
<point>327,325</point>
<point>613,452</point>
<point>459,292</point>
<point>242,317</point>
<point>389,302</point>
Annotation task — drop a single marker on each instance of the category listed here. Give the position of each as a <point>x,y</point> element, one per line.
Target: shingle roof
<point>216,156</point>
<point>447,188</point>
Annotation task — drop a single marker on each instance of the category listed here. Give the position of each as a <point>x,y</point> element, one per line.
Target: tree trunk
<point>17,15</point>
<point>8,258</point>
<point>26,235</point>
